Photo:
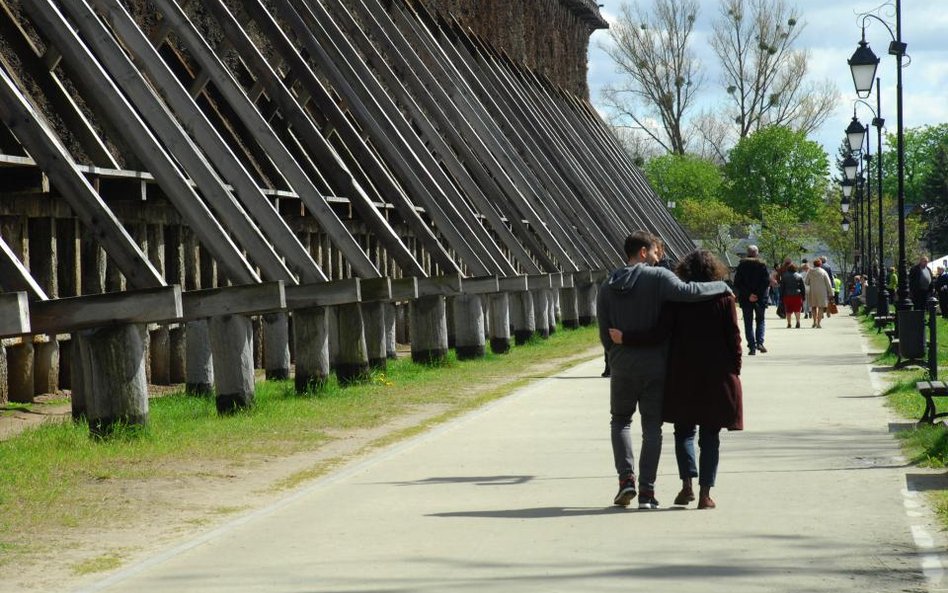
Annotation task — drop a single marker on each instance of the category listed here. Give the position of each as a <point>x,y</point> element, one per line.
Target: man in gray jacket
<point>631,300</point>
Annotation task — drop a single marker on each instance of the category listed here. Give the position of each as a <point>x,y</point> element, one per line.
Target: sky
<point>831,34</point>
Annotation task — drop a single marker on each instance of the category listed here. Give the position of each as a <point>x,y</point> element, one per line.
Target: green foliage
<point>678,178</point>
<point>921,146</point>
<point>778,167</point>
<point>714,222</point>
<point>935,195</point>
<point>780,236</point>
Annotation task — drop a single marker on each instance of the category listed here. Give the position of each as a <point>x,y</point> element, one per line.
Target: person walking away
<point>829,272</point>
<point>804,268</point>
<point>792,289</point>
<point>941,290</point>
<point>631,300</point>
<point>820,290</point>
<point>752,283</point>
<point>837,288</point>
<point>892,284</point>
<point>702,379</point>
<point>920,284</point>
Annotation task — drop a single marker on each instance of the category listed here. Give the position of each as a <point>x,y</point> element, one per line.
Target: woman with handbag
<point>792,290</point>
<point>821,290</point>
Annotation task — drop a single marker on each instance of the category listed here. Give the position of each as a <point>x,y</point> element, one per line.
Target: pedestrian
<point>631,300</point>
<point>892,283</point>
<point>855,294</point>
<point>829,272</point>
<point>804,268</point>
<point>941,290</point>
<point>792,289</point>
<point>820,290</point>
<point>752,283</point>
<point>662,258</point>
<point>837,288</point>
<point>702,379</point>
<point>920,283</point>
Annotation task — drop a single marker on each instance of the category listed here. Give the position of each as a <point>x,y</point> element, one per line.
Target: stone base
<point>500,345</point>
<point>229,403</point>
<point>277,374</point>
<point>101,428</point>
<point>348,374</point>
<point>198,389</point>
<point>522,336</point>
<point>469,352</point>
<point>435,356</point>
<point>309,383</point>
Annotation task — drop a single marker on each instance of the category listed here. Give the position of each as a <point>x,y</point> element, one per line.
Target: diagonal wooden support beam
<point>249,201</point>
<point>101,92</point>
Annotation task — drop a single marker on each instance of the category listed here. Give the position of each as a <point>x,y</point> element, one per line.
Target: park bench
<point>883,321</point>
<point>930,390</point>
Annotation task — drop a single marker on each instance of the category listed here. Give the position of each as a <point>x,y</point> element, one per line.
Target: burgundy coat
<point>702,382</point>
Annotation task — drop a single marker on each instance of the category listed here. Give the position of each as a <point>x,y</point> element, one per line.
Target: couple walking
<point>674,350</point>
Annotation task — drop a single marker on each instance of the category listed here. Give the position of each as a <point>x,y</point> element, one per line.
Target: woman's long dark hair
<point>701,266</point>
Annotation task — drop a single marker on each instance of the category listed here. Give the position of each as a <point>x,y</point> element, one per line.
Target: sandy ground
<point>172,510</point>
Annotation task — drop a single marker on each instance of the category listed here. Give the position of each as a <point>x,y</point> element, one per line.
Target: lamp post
<point>863,64</point>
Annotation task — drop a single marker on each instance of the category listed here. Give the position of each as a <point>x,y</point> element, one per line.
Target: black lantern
<point>863,66</point>
<point>850,166</point>
<point>855,134</point>
<point>848,185</point>
<point>845,224</point>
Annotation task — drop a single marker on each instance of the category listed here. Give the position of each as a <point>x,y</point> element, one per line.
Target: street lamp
<point>862,65</point>
<point>855,132</point>
<point>850,166</point>
<point>844,205</point>
<point>848,187</point>
<point>845,224</point>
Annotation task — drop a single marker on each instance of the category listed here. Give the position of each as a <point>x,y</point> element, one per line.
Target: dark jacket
<point>702,380</point>
<point>791,284</point>
<point>920,278</point>
<point>752,277</point>
<point>631,300</point>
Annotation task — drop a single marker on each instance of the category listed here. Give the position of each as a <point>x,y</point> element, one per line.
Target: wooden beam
<point>440,285</point>
<point>84,312</point>
<point>247,299</point>
<point>111,103</point>
<point>482,285</point>
<point>14,314</point>
<point>15,277</point>
<point>325,294</point>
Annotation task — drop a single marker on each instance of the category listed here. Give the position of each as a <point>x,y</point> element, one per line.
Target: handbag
<point>833,309</point>
<point>781,312</point>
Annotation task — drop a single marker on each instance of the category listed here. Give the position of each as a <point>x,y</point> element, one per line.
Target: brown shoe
<point>684,497</point>
<point>706,502</point>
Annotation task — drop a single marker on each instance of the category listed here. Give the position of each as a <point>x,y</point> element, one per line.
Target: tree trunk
<point>311,343</point>
<point>428,327</point>
<point>276,344</point>
<point>114,389</point>
<point>352,363</point>
<point>199,366</point>
<point>500,323</point>
<point>469,325</point>
<point>232,354</point>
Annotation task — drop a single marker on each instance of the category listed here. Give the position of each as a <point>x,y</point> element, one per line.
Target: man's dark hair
<point>636,241</point>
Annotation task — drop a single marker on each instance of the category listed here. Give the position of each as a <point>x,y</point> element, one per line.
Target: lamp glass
<point>863,64</point>
<point>850,166</point>
<point>848,188</point>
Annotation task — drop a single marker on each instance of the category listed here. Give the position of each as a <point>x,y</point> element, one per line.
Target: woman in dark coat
<point>702,381</point>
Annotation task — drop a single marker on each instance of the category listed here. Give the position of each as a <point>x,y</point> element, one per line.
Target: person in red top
<point>702,378</point>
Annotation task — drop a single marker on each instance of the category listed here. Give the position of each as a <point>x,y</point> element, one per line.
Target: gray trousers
<point>639,387</point>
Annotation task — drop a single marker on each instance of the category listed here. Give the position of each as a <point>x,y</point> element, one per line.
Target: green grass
<point>55,477</point>
<point>925,446</point>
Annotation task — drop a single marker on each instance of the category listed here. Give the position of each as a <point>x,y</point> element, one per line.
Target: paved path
<point>517,497</point>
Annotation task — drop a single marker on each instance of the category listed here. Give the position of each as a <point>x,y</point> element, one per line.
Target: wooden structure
<point>317,165</point>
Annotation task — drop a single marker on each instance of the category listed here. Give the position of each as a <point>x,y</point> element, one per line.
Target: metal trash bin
<point>911,333</point>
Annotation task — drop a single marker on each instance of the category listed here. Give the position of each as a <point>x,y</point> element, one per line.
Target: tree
<point>781,234</point>
<point>652,50</point>
<point>677,178</point>
<point>934,189</point>
<point>826,228</point>
<point>921,145</point>
<point>715,223</point>
<point>765,77</point>
<point>778,167</point>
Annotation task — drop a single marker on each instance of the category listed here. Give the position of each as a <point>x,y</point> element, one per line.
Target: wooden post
<point>332,322</point>
<point>391,315</point>
<point>586,304</point>
<point>4,374</point>
<point>20,365</point>
<point>541,309</point>
<point>231,347</point>
<point>177,345</point>
<point>159,351</point>
<point>521,308</point>
<point>352,363</point>
<point>402,330</point>
<point>449,319</point>
<point>276,344</point>
<point>428,325</point>
<point>199,366</point>
<point>568,311</point>
<point>311,336</point>
<point>500,323</point>
<point>373,319</point>
<point>114,390</point>
<point>65,363</point>
<point>45,365</point>
<point>256,323</point>
<point>469,324</point>
<point>552,299</point>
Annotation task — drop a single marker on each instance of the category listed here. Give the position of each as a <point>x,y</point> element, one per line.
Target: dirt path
<point>199,498</point>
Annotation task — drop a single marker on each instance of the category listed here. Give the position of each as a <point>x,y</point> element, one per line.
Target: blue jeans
<point>752,312</point>
<point>708,441</point>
